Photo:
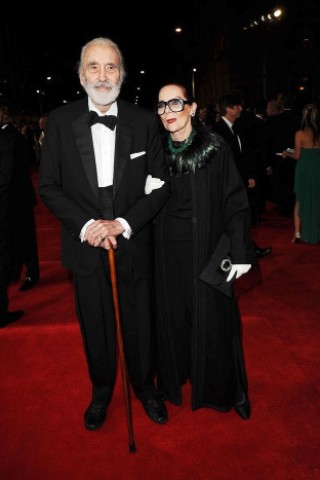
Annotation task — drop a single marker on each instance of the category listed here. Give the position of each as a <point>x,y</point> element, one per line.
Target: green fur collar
<point>197,155</point>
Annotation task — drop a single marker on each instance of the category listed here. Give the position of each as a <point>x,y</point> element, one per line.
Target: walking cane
<point>124,371</point>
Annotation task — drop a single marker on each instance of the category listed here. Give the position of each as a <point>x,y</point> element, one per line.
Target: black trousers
<point>24,245</point>
<point>95,310</point>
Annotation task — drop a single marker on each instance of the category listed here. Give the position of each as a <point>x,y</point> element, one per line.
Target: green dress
<point>307,190</point>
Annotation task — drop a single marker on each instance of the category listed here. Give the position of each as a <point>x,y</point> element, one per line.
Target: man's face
<point>100,75</point>
<point>234,112</point>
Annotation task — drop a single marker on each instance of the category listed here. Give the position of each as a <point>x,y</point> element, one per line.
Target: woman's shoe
<point>296,238</point>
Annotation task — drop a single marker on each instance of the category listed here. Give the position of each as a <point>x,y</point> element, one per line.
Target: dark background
<point>44,39</point>
<point>39,40</point>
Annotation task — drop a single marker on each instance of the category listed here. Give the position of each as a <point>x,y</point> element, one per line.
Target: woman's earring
<point>192,114</point>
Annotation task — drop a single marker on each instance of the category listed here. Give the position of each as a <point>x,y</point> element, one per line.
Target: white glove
<point>238,270</point>
<point>152,184</point>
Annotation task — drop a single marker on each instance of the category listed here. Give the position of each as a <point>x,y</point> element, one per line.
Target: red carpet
<point>45,387</point>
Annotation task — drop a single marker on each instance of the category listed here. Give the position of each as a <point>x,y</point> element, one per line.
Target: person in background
<point>235,135</point>
<point>202,246</point>
<point>8,166</point>
<point>24,257</point>
<point>102,174</point>
<point>206,116</point>
<point>27,131</point>
<point>281,137</point>
<point>307,177</point>
<point>39,136</point>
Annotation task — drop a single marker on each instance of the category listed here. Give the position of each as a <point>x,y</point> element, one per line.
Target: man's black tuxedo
<point>68,185</point>
<point>68,180</point>
<point>243,157</point>
<point>231,138</point>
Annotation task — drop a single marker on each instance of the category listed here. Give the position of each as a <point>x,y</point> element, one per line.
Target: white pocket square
<point>135,155</point>
<point>152,184</point>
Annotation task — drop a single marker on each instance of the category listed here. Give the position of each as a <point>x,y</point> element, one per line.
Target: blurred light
<point>270,17</point>
<point>301,88</point>
<point>138,88</point>
<point>178,29</point>
<point>64,101</point>
<point>49,78</point>
<point>142,72</point>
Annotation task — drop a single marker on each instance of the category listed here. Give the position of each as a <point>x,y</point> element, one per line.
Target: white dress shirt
<point>104,140</point>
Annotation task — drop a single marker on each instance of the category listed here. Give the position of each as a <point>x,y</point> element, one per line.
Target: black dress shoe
<point>156,409</point>
<point>9,317</point>
<point>28,283</point>
<point>243,409</point>
<point>262,252</point>
<point>95,416</point>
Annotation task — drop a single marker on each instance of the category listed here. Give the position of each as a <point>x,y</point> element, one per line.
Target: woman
<point>199,333</point>
<point>307,177</point>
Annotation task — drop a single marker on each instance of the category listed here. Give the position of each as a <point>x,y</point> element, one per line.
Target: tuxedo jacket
<point>222,128</point>
<point>68,181</point>
<point>244,158</point>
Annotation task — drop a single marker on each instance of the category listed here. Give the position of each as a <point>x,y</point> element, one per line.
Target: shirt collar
<point>230,125</point>
<point>113,110</point>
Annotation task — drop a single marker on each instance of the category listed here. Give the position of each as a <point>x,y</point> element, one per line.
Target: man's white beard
<point>105,97</point>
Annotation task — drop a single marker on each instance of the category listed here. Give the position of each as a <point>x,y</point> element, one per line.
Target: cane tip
<point>132,448</point>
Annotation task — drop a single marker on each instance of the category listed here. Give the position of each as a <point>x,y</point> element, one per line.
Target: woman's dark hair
<point>310,120</point>
<point>186,93</point>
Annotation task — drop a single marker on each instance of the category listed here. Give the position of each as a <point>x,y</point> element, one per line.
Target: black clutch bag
<point>216,271</point>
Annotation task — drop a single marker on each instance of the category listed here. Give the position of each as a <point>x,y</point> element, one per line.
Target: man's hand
<point>103,233</point>
<point>108,243</point>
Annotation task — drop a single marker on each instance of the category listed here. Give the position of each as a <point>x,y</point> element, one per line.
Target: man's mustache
<point>103,84</point>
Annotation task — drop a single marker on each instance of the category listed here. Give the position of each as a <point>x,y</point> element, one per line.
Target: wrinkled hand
<point>108,243</point>
<point>152,184</point>
<point>238,270</point>
<point>103,233</point>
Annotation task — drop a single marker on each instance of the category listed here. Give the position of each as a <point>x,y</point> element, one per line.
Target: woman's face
<point>176,122</point>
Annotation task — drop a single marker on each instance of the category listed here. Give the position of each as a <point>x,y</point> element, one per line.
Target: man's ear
<point>82,79</point>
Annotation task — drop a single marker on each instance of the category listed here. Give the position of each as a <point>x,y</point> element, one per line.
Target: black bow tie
<point>109,121</point>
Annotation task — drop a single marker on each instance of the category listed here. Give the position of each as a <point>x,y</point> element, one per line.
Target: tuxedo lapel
<point>83,137</point>
<point>84,142</point>
<point>122,151</point>
<point>230,137</point>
